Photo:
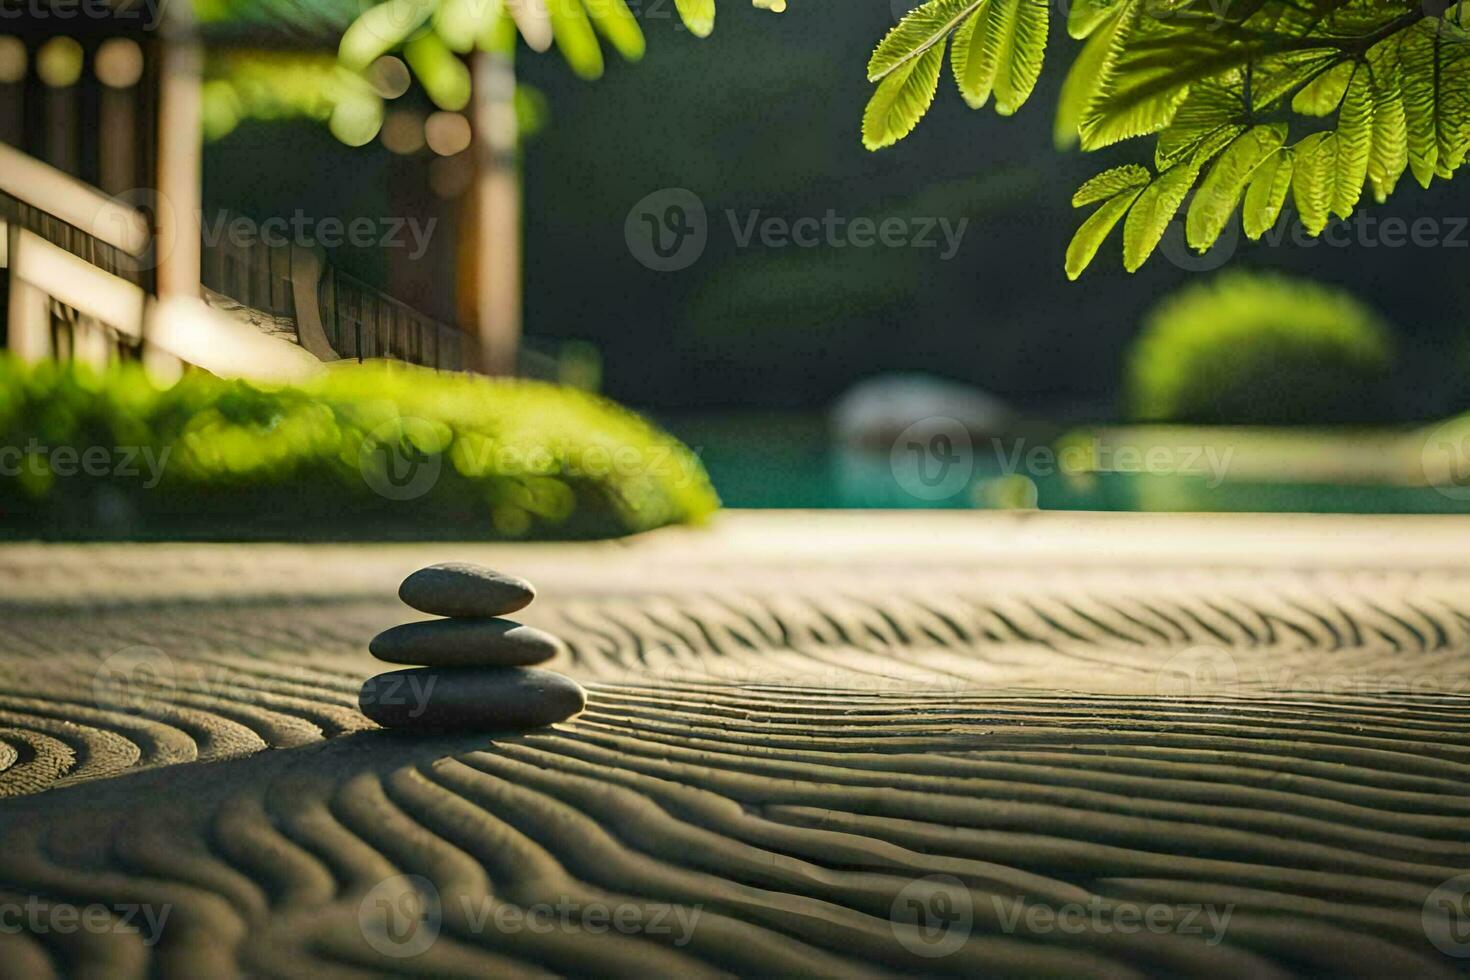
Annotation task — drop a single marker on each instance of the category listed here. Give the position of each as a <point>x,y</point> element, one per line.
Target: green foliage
<point>1255,349</point>
<point>513,459</point>
<point>282,85</point>
<point>268,85</point>
<point>1252,104</point>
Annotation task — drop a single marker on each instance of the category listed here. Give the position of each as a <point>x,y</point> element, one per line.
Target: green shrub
<point>363,451</point>
<point>1258,349</point>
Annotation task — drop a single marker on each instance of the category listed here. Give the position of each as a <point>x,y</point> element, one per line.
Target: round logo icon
<point>1196,671</point>
<point>144,221</point>
<point>401,916</point>
<point>130,678</point>
<point>933,916</point>
<point>933,459</point>
<point>1176,248</point>
<point>401,458</point>
<point>1446,460</point>
<point>667,230</point>
<point>1447,917</point>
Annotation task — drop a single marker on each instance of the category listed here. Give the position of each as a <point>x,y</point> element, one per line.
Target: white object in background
<point>874,412</point>
<point>198,334</point>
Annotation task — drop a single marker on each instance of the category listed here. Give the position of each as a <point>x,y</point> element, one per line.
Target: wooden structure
<point>101,131</point>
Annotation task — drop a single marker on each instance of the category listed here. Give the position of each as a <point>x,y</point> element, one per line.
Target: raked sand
<point>814,744</point>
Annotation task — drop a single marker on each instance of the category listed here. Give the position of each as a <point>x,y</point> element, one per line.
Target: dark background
<point>764,115</point>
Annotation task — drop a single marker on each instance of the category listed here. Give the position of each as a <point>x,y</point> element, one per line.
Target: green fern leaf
<point>698,16</point>
<point>1266,195</point>
<point>1111,183</point>
<point>380,29</point>
<point>440,71</point>
<point>1454,91</point>
<point>1150,215</point>
<point>1149,78</point>
<point>1324,94</point>
<point>616,22</point>
<point>1086,16</point>
<point>459,23</point>
<point>1354,143</point>
<point>575,38</point>
<point>920,31</point>
<point>1390,156</point>
<point>1095,231</point>
<point>902,99</point>
<point>1000,49</point>
<point>1220,192</point>
<point>1025,54</point>
<point>1314,180</point>
<point>1080,86</point>
<point>973,58</point>
<point>1209,109</point>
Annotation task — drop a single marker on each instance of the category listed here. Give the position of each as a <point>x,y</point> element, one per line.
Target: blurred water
<point>789,462</point>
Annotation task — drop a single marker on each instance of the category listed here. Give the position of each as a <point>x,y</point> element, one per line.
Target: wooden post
<point>180,159</point>
<point>496,238</point>
<point>29,312</point>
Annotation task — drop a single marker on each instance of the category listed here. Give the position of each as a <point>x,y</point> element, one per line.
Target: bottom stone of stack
<point>470,698</point>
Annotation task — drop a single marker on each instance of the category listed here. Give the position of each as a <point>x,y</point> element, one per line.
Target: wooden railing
<point>360,321</point>
<point>363,322</point>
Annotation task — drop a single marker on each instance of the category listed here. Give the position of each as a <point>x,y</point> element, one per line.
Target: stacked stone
<point>473,670</point>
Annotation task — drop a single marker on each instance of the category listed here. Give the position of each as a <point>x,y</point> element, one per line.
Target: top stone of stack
<point>460,589</point>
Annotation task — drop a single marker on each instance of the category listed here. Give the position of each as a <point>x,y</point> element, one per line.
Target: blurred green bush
<point>374,451</point>
<point>1251,348</point>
